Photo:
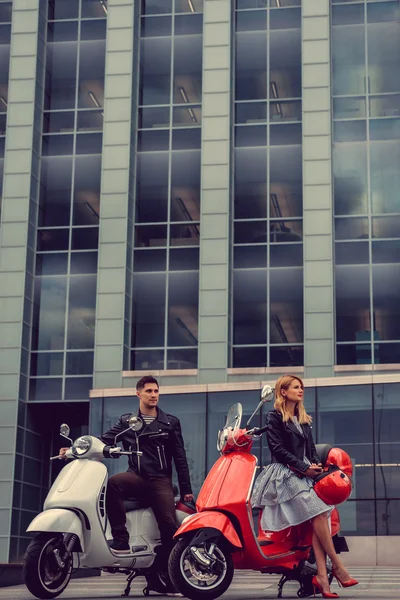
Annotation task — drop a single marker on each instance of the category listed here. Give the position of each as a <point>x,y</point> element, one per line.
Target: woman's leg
<point>322,532</point>
<point>320,559</point>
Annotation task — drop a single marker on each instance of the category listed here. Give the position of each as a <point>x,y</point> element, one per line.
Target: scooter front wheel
<point>194,578</point>
<point>46,569</point>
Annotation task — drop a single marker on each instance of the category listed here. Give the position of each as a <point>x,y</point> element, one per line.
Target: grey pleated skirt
<point>286,499</point>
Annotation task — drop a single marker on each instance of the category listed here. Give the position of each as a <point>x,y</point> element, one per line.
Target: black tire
<point>42,575</point>
<point>222,570</point>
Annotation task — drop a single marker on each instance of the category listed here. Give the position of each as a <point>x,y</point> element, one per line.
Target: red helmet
<point>333,486</point>
<point>339,457</point>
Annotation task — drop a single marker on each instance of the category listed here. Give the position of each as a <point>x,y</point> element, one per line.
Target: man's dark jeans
<point>157,491</point>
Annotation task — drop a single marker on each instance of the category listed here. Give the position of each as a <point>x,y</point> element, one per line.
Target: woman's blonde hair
<point>284,383</point>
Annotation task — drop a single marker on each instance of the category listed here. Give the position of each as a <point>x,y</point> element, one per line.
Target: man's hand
<point>62,453</point>
<point>188,497</point>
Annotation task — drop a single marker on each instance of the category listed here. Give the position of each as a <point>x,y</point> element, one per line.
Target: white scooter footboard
<point>58,520</point>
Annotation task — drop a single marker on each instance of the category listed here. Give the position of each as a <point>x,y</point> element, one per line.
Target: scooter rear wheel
<point>43,576</point>
<point>196,581</point>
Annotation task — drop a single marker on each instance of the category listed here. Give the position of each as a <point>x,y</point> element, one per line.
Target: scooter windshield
<point>234,417</point>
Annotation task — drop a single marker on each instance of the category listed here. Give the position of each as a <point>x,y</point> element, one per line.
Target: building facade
<point>205,190</point>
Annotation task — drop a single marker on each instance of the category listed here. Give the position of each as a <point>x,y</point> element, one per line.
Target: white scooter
<point>74,523</point>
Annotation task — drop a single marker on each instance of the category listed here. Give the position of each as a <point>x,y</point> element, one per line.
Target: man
<point>149,475</point>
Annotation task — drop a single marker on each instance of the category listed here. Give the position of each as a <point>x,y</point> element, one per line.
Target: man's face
<point>148,395</point>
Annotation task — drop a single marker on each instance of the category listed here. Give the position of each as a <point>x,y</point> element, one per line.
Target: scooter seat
<point>323,451</point>
<point>134,504</point>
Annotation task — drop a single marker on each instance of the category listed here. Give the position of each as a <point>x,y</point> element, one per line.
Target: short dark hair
<point>144,381</point>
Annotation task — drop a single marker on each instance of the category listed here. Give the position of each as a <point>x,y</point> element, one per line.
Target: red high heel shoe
<point>317,586</point>
<point>349,583</point>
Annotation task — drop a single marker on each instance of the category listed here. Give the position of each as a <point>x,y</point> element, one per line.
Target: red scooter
<point>222,535</point>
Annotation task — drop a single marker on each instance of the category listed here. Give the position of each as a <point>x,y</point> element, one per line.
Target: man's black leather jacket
<point>160,441</point>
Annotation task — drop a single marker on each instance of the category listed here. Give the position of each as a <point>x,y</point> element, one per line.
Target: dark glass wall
<point>366,168</point>
<point>267,228</point>
<point>165,285</point>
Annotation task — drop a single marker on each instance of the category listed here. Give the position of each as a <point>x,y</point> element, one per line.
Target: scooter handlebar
<point>256,431</point>
<point>116,452</point>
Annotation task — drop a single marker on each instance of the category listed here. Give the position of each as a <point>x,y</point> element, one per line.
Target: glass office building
<point>204,190</point>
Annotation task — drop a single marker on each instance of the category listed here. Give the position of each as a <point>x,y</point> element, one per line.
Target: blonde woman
<point>285,488</point>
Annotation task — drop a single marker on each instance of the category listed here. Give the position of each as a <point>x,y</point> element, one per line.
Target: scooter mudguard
<point>58,520</point>
<point>213,520</point>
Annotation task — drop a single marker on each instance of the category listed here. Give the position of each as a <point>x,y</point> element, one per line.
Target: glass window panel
<point>185,117</point>
<point>349,131</point>
<point>351,253</point>
<point>386,289</point>
<point>184,260</point>
<point>2,147</point>
<point>254,20</point>
<point>357,517</point>
<point>246,257</point>
<point>286,185</point>
<point>185,358</point>
<point>151,235</point>
<point>286,231</point>
<point>351,229</point>
<point>5,12</point>
<point>250,136</point>
<point>286,256</point>
<point>186,139</point>
<point>77,388</point>
<point>87,191</point>
<point>156,7</point>
<point>385,176</point>
<point>285,135</point>
<point>49,313</point>
<point>81,311</point>
<point>348,58</point>
<point>251,183</point>
<point>86,238</point>
<point>150,260</point>
<point>148,311</point>
<point>379,12</point>
<point>348,15</point>
<point>353,318</point>
<point>183,306</point>
<point>58,122</point>
<point>386,252</point>
<point>350,179</point>
<point>47,363</point>
<point>250,112</point>
<point>188,58</point>
<point>91,74</point>
<point>155,82</point>
<point>90,120</point>
<point>95,9</point>
<point>61,75</point>
<point>250,307</point>
<point>285,111</point>
<point>3,124</point>
<point>386,227</point>
<point>384,129</point>
<point>384,106</point>
<point>285,64</point>
<point>286,306</point>
<point>354,354</point>
<point>93,30</point>
<point>185,183</point>
<point>345,420</point>
<point>387,511</point>
<point>284,3</point>
<point>387,353</point>
<point>79,363</point>
<point>152,141</point>
<point>249,357</point>
<point>286,356</point>
<point>155,26</point>
<point>349,108</point>
<point>185,235</point>
<point>5,38</point>
<point>83,263</point>
<point>57,145</point>
<point>252,232</point>
<point>154,117</point>
<point>245,4</point>
<point>185,204</point>
<point>145,360</point>
<point>251,66</point>
<point>62,32</point>
<point>152,187</point>
<point>383,57</point>
<point>188,24</point>
<point>55,191</point>
<point>285,19</point>
<point>51,264</point>
<point>45,389</point>
<point>49,240</point>
<point>387,440</point>
<point>185,6</point>
<point>63,9</point>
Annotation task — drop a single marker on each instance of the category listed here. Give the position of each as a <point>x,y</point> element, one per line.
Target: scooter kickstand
<point>129,580</point>
<point>281,583</point>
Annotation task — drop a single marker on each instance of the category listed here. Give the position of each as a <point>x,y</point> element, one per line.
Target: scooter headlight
<point>81,445</point>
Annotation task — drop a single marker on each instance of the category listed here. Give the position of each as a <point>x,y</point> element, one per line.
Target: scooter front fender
<point>214,520</point>
<point>58,520</point>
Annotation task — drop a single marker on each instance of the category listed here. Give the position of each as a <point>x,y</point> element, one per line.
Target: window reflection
<point>188,24</point>
<point>250,307</point>
<point>58,122</point>
<point>94,9</point>
<point>147,359</point>
<point>49,313</point>
<point>62,31</point>
<point>91,74</point>
<point>350,179</point>
<point>63,9</point>
<point>286,185</point>
<point>148,317</point>
<point>188,52</point>
<point>251,66</point>
<point>183,302</point>
<point>386,289</point>
<point>286,356</point>
<point>152,188</point>
<point>286,306</point>
<point>385,176</point>
<point>387,423</point>
<point>55,191</point>
<point>384,106</point>
<point>90,120</point>
<point>285,64</point>
<point>349,108</point>
<point>185,235</point>
<point>156,7</point>
<point>251,183</point>
<point>351,253</point>
<point>383,56</point>
<point>150,260</point>
<point>79,363</point>
<point>188,6</point>
<point>47,363</point>
<point>354,354</point>
<point>87,190</point>
<point>348,58</point>
<point>154,117</point>
<point>52,264</point>
<point>61,75</point>
<point>156,26</point>
<point>349,131</point>
<point>353,316</point>
<point>251,356</point>
<point>81,311</point>
<point>155,79</point>
<point>351,229</point>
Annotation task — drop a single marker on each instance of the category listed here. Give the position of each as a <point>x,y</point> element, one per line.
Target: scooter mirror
<point>267,393</point>
<point>64,430</point>
<point>135,423</point>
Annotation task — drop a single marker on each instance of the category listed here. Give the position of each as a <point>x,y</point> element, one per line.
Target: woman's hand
<point>313,470</point>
